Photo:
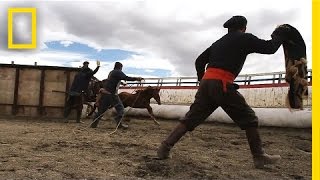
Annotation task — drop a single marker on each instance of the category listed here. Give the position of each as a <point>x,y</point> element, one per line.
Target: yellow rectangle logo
<point>33,44</point>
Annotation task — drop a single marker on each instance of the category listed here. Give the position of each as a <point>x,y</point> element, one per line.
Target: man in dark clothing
<point>110,96</point>
<point>224,60</point>
<point>79,86</point>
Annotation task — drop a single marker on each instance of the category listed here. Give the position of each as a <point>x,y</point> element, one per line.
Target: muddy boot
<point>119,119</point>
<point>65,117</point>
<point>260,158</point>
<point>95,122</point>
<point>164,151</point>
<point>165,147</point>
<point>78,119</point>
<point>123,125</point>
<point>65,120</point>
<point>264,159</point>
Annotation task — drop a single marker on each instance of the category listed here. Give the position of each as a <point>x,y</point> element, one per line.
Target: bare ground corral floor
<point>50,149</point>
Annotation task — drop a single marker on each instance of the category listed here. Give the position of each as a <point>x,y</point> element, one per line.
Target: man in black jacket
<point>110,96</point>
<point>79,86</point>
<point>224,60</point>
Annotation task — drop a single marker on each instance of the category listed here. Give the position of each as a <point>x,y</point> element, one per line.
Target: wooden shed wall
<point>28,90</point>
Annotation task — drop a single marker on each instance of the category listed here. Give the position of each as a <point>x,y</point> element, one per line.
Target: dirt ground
<point>50,149</point>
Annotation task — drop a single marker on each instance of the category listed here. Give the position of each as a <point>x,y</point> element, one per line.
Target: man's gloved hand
<point>98,63</point>
<point>200,75</point>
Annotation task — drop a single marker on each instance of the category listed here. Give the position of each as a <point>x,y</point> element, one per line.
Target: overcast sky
<point>151,38</point>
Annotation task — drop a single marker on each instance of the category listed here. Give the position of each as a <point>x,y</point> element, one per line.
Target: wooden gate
<point>28,90</point>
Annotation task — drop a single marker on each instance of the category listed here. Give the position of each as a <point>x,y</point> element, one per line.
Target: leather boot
<point>260,158</point>
<point>165,147</point>
<point>65,120</point>
<point>122,124</point>
<point>96,122</point>
<point>79,111</point>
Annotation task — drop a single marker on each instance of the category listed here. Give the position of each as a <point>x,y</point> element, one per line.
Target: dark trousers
<point>108,101</point>
<point>74,101</point>
<point>210,96</point>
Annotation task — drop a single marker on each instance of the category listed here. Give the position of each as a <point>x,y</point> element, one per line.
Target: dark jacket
<point>230,52</point>
<point>82,79</point>
<point>114,78</point>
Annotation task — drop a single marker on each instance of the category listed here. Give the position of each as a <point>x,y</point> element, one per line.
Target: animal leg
<point>152,115</point>
<point>91,109</point>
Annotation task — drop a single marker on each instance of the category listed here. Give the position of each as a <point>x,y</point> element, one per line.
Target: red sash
<point>219,74</point>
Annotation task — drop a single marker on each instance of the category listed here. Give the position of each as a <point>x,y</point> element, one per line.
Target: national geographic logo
<point>22,28</point>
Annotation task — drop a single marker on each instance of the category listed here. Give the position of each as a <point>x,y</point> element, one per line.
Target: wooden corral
<point>28,90</point>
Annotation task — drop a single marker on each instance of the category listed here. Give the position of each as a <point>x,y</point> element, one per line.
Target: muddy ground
<point>50,149</point>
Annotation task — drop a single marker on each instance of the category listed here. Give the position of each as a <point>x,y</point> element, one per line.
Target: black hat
<point>117,65</point>
<point>86,62</point>
<point>236,22</point>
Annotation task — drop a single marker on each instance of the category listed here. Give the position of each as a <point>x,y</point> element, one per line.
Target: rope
<point>126,111</point>
<point>120,121</point>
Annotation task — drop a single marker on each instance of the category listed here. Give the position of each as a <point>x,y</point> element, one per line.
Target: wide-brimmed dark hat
<point>236,22</point>
<point>86,62</point>
<point>118,65</point>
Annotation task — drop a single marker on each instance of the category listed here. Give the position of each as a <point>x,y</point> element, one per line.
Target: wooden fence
<point>28,90</point>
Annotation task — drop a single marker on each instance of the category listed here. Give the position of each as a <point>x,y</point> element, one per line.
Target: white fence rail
<point>260,90</point>
<point>244,79</point>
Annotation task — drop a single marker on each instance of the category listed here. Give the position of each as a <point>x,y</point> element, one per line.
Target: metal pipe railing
<point>243,79</point>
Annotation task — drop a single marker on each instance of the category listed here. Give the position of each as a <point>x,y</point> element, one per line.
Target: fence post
<point>273,78</point>
<point>280,77</point>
